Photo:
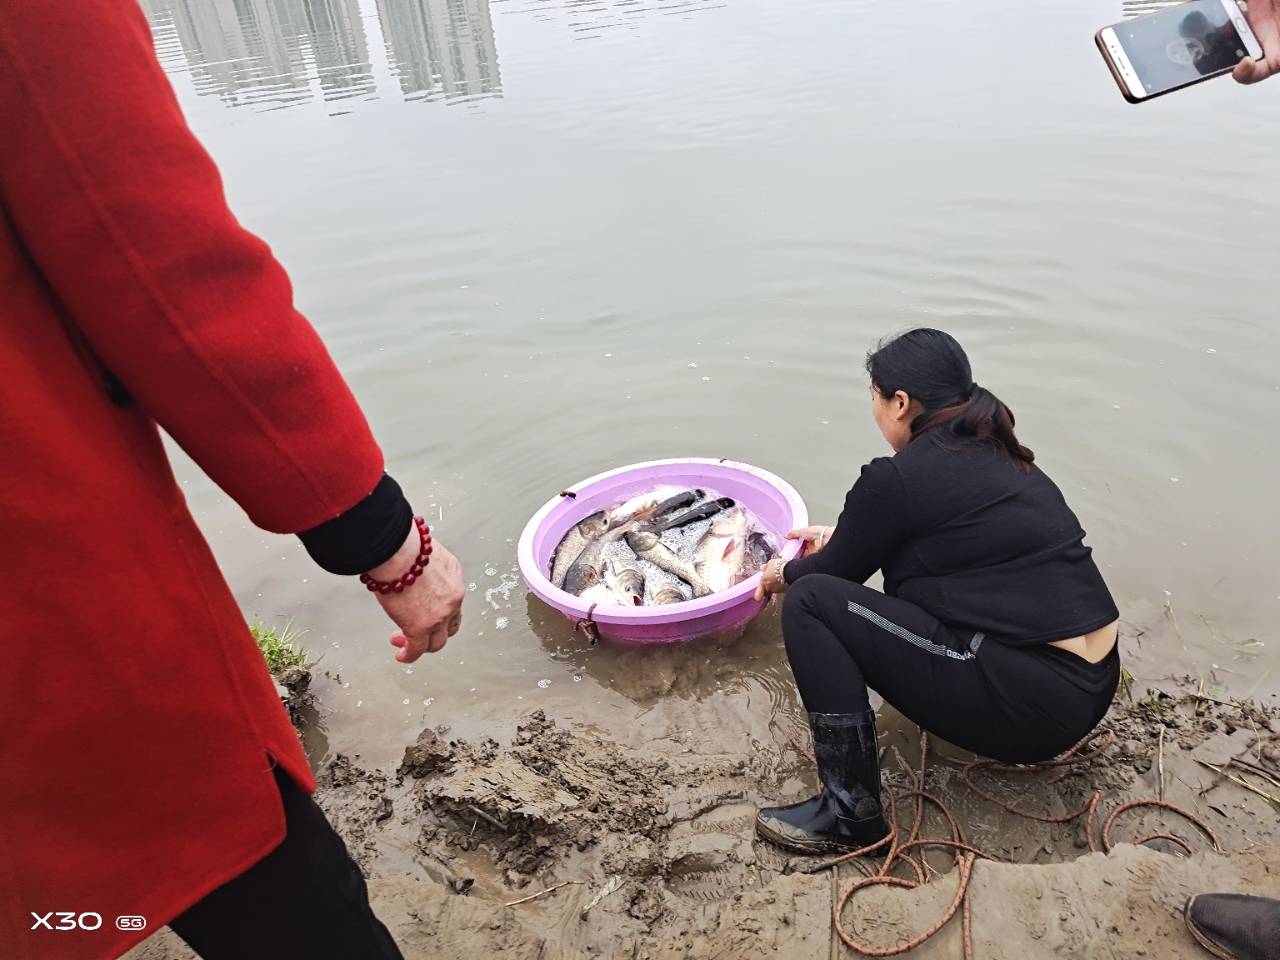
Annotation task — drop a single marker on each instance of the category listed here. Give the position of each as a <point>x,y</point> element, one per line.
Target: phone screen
<point>1180,45</point>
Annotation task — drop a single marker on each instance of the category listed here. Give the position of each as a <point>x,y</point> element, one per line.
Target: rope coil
<point>966,855</point>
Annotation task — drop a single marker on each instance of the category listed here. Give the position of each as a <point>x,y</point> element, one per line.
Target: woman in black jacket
<point>995,629</point>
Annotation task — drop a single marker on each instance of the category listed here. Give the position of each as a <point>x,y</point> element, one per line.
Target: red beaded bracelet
<point>415,571</point>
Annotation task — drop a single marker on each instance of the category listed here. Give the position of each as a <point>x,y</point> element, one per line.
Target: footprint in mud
<point>732,819</point>
<point>770,858</point>
<point>709,877</point>
<point>732,825</point>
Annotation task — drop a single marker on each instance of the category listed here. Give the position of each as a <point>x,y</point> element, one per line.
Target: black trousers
<point>306,899</point>
<point>1016,704</point>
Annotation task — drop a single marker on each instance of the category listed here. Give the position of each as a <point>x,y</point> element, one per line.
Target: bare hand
<point>815,538</point>
<point>771,579</point>
<point>428,611</point>
<point>1264,17</point>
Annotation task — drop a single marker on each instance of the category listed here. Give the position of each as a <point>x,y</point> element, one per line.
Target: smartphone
<point>1176,47</point>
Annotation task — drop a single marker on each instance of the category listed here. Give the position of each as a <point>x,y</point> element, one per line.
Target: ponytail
<point>931,367</point>
<point>981,416</point>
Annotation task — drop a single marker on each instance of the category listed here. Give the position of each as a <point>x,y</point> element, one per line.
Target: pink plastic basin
<point>773,501</point>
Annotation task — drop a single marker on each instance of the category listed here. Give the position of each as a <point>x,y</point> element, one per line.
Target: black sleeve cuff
<point>365,536</point>
<point>792,571</point>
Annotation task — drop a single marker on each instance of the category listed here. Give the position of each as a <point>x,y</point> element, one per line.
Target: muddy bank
<point>1127,904</point>
<point>654,844</point>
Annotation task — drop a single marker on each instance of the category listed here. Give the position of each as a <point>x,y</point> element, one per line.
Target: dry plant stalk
<point>1222,771</point>
<point>1160,766</point>
<point>535,896</point>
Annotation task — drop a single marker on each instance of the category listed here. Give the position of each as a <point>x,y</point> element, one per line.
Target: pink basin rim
<point>767,495</point>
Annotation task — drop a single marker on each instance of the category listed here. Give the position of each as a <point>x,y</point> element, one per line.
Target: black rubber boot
<point>846,815</point>
<point>1233,926</point>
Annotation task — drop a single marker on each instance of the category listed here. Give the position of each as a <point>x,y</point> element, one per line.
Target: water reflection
<point>277,53</point>
<point>441,48</point>
<point>648,673</point>
<point>265,52</point>
<point>589,18</point>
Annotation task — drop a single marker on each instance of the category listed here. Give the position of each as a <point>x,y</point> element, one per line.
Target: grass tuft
<point>279,647</point>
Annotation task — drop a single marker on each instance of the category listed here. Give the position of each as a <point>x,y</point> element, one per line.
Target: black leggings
<point>1016,704</point>
<point>307,898</point>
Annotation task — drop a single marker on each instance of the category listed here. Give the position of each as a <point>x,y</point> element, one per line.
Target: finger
<point>439,637</point>
<point>795,535</point>
<point>455,624</point>
<point>410,652</point>
<point>1243,72</point>
<point>1249,71</point>
<point>398,639</point>
<point>760,594</point>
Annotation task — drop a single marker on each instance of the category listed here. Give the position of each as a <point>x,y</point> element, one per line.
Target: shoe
<point>1233,926</point>
<point>846,815</point>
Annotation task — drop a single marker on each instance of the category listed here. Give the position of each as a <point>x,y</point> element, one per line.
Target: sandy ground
<point>1127,904</point>
<point>654,843</point>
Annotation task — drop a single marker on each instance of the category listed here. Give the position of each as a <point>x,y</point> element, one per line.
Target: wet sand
<point>1126,905</point>
<point>652,838</point>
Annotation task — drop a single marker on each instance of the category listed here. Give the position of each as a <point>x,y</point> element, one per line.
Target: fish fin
<point>729,546</point>
<point>700,567</point>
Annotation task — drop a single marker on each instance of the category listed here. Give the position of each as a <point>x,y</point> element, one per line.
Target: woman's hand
<point>428,611</point>
<point>815,538</point>
<point>1264,17</point>
<point>771,580</point>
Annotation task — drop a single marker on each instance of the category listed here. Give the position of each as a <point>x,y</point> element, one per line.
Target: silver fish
<point>700,512</point>
<point>731,551</point>
<point>629,508</point>
<point>648,505</point>
<point>759,550</point>
<point>619,585</point>
<point>626,583</point>
<point>588,569</point>
<point>574,542</point>
<point>668,594</point>
<point>647,546</point>
<point>598,594</point>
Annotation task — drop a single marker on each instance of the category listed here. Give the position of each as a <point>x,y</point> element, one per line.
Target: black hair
<point>930,366</point>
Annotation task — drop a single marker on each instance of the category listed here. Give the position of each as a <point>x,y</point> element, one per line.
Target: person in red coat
<point>147,769</point>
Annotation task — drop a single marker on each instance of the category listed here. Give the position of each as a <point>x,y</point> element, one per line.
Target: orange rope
<point>1204,827</point>
<point>1067,759</point>
<point>965,854</point>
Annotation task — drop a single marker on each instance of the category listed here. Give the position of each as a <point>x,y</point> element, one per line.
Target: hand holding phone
<point>1185,44</point>
<point>1264,17</point>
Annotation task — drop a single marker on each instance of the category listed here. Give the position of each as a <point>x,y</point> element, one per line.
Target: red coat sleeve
<point>123,213</point>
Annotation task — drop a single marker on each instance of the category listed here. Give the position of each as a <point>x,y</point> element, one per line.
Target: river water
<point>547,237</point>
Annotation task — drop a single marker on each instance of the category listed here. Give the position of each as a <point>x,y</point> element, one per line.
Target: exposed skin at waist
<point>1092,646</point>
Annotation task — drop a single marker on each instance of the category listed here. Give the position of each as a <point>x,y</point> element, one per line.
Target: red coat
<point>138,724</point>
